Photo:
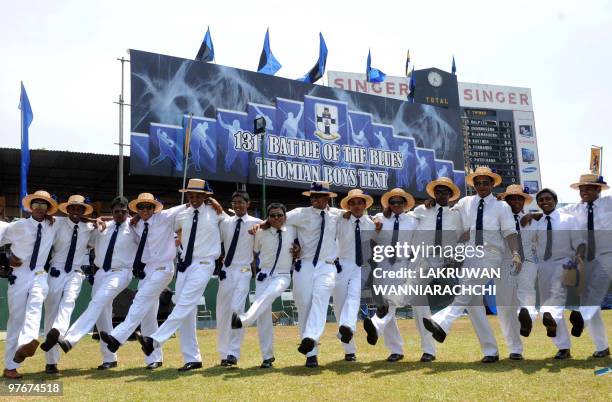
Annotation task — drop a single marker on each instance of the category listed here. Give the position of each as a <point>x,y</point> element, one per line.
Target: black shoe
<point>107,365</point>
<point>426,358</point>
<point>146,343</point>
<point>51,369</point>
<point>231,360</point>
<point>312,362</point>
<point>436,330</point>
<point>550,324</point>
<point>191,366</point>
<point>525,320</point>
<point>64,344</point>
<point>154,365</point>
<point>577,323</point>
<point>346,334</point>
<point>602,353</point>
<point>370,329</point>
<point>50,340</point>
<point>224,363</point>
<point>515,356</point>
<point>350,357</point>
<point>394,357</point>
<point>111,343</point>
<point>236,322</point>
<point>490,359</point>
<point>306,346</point>
<point>267,363</point>
<point>563,354</point>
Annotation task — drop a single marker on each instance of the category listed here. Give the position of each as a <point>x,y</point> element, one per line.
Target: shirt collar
<point>487,199</point>
<point>553,215</point>
<point>35,223</point>
<point>354,218</point>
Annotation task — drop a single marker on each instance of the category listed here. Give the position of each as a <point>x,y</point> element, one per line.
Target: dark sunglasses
<point>397,202</point>
<point>482,183</point>
<point>149,207</point>
<point>279,215</point>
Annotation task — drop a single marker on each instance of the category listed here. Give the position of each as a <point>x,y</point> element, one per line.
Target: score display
<point>489,141</point>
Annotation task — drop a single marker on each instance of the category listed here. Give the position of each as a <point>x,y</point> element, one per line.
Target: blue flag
<point>267,62</point>
<point>373,74</point>
<point>317,71</point>
<point>26,119</point>
<point>411,87</point>
<point>407,62</point>
<point>207,50</point>
<point>454,67</point>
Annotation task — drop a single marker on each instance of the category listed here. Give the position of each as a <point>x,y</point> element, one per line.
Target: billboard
<point>312,132</point>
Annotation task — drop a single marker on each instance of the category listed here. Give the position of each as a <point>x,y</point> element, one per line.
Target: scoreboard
<point>489,141</point>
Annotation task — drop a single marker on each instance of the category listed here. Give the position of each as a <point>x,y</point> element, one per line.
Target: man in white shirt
<point>65,274</point>
<point>516,291</point>
<point>30,240</point>
<point>153,265</point>
<point>115,248</point>
<point>558,240</point>
<point>354,233</point>
<point>488,222</point>
<point>396,230</point>
<point>201,242</point>
<point>275,248</point>
<point>235,276</point>
<point>438,226</point>
<point>594,213</point>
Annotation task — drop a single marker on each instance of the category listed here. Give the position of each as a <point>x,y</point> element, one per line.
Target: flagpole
<point>121,104</point>
<point>186,150</point>
<point>20,168</point>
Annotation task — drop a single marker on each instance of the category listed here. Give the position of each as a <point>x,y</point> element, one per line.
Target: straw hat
<point>356,193</point>
<point>398,192</point>
<point>446,182</point>
<point>483,171</point>
<point>319,187</point>
<point>590,179</point>
<point>40,195</point>
<point>76,200</point>
<point>145,198</point>
<point>197,186</point>
<point>516,189</point>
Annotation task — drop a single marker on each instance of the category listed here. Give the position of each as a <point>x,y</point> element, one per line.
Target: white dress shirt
<point>345,237</point>
<point>566,236</point>
<point>3,226</point>
<point>63,239</point>
<point>160,246</point>
<point>21,235</point>
<point>266,244</point>
<point>307,221</point>
<point>125,247</point>
<point>528,238</point>
<point>407,225</point>
<point>208,237</point>
<point>497,221</point>
<point>243,255</point>
<point>602,221</point>
<point>452,226</point>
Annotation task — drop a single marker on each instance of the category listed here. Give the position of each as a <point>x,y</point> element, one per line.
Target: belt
<point>37,273</point>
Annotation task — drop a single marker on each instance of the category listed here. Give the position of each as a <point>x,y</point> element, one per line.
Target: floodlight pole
<point>121,104</point>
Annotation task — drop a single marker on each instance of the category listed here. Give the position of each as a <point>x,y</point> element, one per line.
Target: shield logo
<point>327,122</point>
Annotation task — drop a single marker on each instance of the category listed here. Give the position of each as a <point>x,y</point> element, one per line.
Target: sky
<point>65,53</point>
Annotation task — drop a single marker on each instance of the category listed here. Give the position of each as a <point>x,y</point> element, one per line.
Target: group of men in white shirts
<point>325,251</point>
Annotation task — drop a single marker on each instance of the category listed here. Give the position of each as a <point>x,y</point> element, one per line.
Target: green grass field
<point>457,373</point>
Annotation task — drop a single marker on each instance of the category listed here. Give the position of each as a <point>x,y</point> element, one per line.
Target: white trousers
<point>507,304</point>
<point>597,283</point>
<point>107,285</point>
<point>59,305</point>
<point>190,286</point>
<point>312,289</point>
<point>346,298</point>
<point>145,305</point>
<point>474,306</point>
<point>266,292</point>
<point>526,288</point>
<point>25,302</point>
<point>231,298</point>
<point>553,296</point>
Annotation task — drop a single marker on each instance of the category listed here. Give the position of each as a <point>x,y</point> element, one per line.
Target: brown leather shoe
<point>25,351</point>
<point>11,374</point>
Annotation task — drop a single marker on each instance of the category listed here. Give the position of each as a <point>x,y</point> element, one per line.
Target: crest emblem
<point>327,122</point>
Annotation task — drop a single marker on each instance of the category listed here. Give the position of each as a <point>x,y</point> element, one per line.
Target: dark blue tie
<point>72,249</point>
<point>316,256</point>
<point>548,251</point>
<point>438,239</point>
<point>358,251</point>
<point>138,266</point>
<point>36,248</point>
<point>108,257</point>
<point>394,237</point>
<point>278,249</point>
<point>479,234</point>
<point>191,242</point>
<point>233,244</point>
<point>520,238</point>
<point>591,233</point>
